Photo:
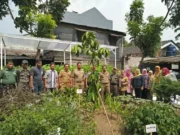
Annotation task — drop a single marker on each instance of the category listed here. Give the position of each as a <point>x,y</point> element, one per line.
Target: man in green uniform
<point>105,82</point>
<point>8,78</point>
<point>24,77</point>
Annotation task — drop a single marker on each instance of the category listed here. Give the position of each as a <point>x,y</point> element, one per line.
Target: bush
<point>167,88</point>
<point>55,111</point>
<point>163,115</point>
<point>87,68</point>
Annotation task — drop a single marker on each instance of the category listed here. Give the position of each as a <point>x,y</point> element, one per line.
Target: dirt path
<point>103,126</point>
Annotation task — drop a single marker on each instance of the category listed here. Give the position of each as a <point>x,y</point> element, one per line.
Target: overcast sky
<point>114,10</point>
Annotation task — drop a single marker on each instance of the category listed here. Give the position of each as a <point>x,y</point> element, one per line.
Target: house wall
<point>133,61</point>
<point>69,33</point>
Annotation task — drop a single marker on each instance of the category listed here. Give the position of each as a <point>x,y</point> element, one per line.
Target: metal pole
<point>70,56</point>
<point>4,55</point>
<point>64,57</point>
<point>115,58</point>
<point>1,53</point>
<point>122,47</point>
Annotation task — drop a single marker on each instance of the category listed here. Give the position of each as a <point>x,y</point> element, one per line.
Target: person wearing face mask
<point>137,84</point>
<point>105,82</point>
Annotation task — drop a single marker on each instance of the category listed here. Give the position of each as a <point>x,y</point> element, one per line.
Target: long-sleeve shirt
<point>137,81</point>
<point>145,81</point>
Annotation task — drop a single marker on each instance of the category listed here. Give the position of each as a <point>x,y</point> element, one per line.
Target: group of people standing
<point>37,80</point>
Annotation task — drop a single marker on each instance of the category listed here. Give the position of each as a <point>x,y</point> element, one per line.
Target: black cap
<point>24,62</point>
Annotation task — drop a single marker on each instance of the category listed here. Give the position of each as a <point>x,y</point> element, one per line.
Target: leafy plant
<point>167,88</point>
<point>163,115</point>
<point>56,111</point>
<point>145,35</point>
<point>91,48</point>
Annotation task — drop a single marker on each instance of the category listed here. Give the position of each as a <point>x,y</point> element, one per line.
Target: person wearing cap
<point>114,81</point>
<point>8,78</point>
<point>24,77</point>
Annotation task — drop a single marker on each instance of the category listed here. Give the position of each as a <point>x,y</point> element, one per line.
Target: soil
<point>103,126</point>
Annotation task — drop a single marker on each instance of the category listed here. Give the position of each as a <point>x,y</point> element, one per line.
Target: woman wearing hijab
<point>151,85</point>
<point>123,82</point>
<point>145,83</point>
<point>166,73</point>
<point>157,74</point>
<point>129,75</point>
<point>137,83</point>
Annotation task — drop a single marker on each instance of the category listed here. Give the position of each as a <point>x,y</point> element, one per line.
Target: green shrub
<point>167,88</point>
<point>87,68</point>
<point>163,115</point>
<point>56,110</point>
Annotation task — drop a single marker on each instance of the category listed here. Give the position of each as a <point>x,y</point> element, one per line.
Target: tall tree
<point>173,12</point>
<point>146,35</point>
<point>35,17</point>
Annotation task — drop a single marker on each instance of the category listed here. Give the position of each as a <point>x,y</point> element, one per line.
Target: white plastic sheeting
<point>32,43</point>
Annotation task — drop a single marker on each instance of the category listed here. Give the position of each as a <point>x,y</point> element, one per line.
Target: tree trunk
<point>38,53</point>
<point>140,63</point>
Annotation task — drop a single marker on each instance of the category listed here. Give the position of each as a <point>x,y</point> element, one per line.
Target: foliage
<point>91,48</point>
<point>163,115</point>
<point>173,12</point>
<point>167,88</point>
<point>36,16</point>
<point>87,68</point>
<point>56,110</point>
<point>16,100</point>
<point>126,43</point>
<point>145,35</point>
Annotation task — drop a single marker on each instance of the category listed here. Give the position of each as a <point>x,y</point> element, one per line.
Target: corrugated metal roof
<point>91,17</point>
<point>171,59</point>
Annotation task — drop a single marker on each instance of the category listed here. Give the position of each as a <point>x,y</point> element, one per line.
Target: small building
<point>74,25</point>
<point>133,54</point>
<point>172,63</point>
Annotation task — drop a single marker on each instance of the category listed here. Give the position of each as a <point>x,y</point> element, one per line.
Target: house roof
<point>131,50</point>
<point>19,52</point>
<point>91,17</point>
<point>166,43</point>
<point>136,50</point>
<point>90,28</point>
<point>171,59</point>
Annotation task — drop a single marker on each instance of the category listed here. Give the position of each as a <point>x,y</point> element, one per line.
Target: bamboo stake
<point>106,113</point>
